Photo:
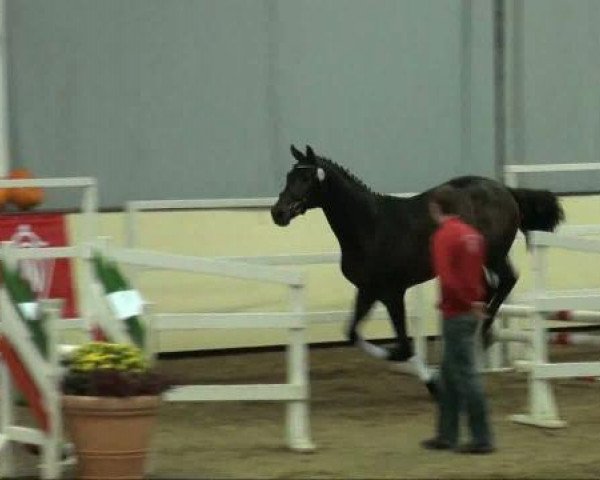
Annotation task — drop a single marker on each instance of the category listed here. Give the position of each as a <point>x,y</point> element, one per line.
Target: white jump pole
<point>569,338</point>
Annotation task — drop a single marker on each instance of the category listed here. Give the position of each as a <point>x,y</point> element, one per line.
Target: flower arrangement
<point>103,369</point>
<point>110,405</point>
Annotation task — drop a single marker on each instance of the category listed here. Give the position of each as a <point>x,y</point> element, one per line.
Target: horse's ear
<point>297,154</point>
<point>310,155</point>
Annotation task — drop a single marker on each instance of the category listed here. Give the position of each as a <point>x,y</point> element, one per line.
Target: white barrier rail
<point>34,253</point>
<point>134,207</point>
<point>551,167</point>
<point>296,391</point>
<point>191,321</point>
<point>508,335</point>
<point>578,230</point>
<point>565,242</point>
<point>214,203</point>
<point>511,172</point>
<point>73,182</point>
<point>288,260</point>
<point>89,200</point>
<point>187,263</point>
<point>546,371</point>
<point>284,392</point>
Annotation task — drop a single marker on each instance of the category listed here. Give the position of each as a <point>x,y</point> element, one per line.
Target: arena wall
<point>251,232</point>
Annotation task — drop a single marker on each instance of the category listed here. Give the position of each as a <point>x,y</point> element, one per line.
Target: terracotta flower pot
<point>111,435</point>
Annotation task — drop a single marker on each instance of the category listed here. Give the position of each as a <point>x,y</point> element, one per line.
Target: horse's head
<point>302,188</point>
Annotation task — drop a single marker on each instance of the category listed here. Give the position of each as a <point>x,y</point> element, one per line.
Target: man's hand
<point>479,310</point>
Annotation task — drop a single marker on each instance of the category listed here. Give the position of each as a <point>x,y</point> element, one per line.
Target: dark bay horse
<point>384,240</point>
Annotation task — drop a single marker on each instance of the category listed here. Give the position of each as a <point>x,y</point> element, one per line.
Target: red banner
<point>49,278</point>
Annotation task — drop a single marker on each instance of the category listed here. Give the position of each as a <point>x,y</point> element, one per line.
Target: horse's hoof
<point>397,354</point>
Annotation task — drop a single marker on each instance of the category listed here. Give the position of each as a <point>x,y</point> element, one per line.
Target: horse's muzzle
<point>280,216</point>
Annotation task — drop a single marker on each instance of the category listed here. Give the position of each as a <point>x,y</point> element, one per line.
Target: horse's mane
<point>328,163</point>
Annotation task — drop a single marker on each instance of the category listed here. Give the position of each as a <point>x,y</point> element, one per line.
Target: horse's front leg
<point>363,304</point>
<point>394,303</point>
<point>406,361</point>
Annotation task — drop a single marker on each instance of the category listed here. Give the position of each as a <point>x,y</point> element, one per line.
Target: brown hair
<point>448,199</point>
<point>453,201</point>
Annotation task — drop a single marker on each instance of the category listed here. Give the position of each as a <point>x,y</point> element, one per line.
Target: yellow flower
<point>104,356</point>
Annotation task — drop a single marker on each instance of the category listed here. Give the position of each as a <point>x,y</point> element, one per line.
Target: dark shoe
<point>476,448</point>
<point>436,444</point>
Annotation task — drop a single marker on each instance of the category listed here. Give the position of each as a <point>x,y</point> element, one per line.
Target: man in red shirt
<point>458,254</point>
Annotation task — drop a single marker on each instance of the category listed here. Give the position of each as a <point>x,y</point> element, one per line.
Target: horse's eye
<point>307,175</point>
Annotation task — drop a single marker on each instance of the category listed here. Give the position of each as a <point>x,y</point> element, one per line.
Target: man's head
<point>445,201</point>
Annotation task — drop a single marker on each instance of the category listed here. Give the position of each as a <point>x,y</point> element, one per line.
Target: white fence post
<point>52,448</point>
<point>7,418</point>
<point>542,405</point>
<point>132,215</point>
<point>298,418</point>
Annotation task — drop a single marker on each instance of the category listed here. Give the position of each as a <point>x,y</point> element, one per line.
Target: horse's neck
<point>350,212</point>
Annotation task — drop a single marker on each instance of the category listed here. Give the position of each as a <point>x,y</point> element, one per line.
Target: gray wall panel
<point>554,82</point>
<point>201,98</point>
<point>156,99</point>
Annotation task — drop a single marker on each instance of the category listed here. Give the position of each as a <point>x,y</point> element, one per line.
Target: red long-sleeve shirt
<point>458,253</point>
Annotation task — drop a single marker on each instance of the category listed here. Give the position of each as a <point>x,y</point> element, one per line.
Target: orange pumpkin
<point>20,173</point>
<point>4,194</point>
<point>24,198</point>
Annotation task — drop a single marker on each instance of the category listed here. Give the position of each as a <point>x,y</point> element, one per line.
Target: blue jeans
<point>460,383</point>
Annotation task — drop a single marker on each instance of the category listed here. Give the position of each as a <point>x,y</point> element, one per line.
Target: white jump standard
<point>542,411</point>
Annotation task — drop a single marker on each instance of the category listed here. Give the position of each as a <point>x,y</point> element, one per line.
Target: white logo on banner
<point>38,271</point>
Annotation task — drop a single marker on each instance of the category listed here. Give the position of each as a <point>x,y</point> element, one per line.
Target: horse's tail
<point>539,209</point>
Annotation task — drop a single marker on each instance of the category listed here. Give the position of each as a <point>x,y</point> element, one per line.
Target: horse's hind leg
<point>507,278</point>
<point>403,352</point>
